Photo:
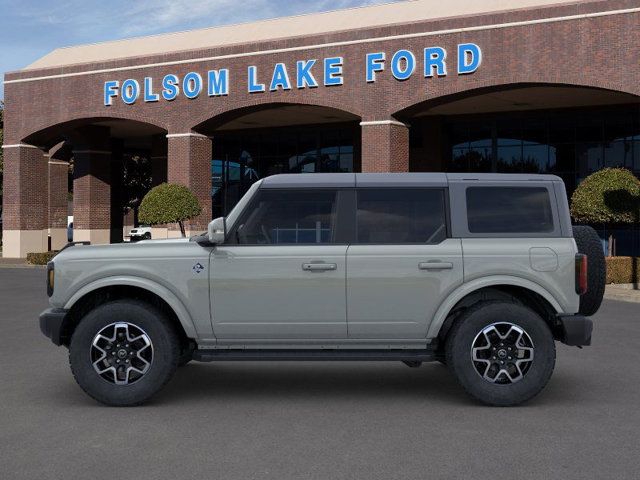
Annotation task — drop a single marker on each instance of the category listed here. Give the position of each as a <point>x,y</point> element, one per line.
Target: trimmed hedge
<point>40,258</point>
<point>610,195</point>
<point>620,270</point>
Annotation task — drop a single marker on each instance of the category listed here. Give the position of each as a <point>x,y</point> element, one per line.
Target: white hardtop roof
<point>278,28</point>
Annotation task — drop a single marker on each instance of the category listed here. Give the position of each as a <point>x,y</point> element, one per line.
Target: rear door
<point>402,264</point>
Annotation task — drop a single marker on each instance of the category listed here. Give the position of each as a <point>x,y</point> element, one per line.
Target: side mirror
<point>216,231</point>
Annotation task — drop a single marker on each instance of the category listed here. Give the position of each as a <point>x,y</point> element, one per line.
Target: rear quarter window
<point>509,210</point>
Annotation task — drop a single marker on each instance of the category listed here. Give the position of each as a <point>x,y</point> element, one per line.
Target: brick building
<point>551,86</point>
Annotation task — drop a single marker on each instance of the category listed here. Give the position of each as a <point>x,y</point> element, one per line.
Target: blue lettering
<point>170,86</point>
<point>192,85</point>
<point>280,78</point>
<point>254,86</point>
<point>218,82</point>
<point>149,96</point>
<point>403,64</point>
<point>130,91</point>
<point>435,57</point>
<point>469,58</point>
<point>304,76</point>
<point>375,63</point>
<point>110,92</point>
<point>333,71</point>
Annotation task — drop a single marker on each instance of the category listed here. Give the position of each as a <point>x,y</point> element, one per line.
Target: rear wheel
<point>502,354</point>
<point>123,352</point>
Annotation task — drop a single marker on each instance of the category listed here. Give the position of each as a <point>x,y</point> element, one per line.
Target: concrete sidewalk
<point>627,292</point>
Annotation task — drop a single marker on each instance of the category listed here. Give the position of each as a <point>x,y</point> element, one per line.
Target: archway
<point>262,140</point>
<point>98,171</point>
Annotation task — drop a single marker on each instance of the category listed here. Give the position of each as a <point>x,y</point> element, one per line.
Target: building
<point>551,86</point>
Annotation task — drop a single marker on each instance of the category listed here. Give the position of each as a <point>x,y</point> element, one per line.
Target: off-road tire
<point>166,352</point>
<point>589,243</point>
<point>458,350</point>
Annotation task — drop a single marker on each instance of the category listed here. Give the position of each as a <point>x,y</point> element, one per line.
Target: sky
<point>30,29</point>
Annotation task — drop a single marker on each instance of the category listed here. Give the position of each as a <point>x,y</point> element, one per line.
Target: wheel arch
<point>114,288</point>
<point>525,291</point>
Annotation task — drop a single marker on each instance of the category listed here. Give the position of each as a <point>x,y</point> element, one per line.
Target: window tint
<point>509,210</point>
<point>289,217</point>
<point>401,216</point>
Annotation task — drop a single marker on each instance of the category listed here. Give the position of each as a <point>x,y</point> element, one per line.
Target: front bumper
<point>575,330</point>
<point>52,323</point>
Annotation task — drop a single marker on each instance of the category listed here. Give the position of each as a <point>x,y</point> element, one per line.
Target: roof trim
<point>330,44</point>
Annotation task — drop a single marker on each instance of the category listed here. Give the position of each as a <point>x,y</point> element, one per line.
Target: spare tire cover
<point>589,243</point>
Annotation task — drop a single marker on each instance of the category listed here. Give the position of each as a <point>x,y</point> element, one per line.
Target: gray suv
<point>482,273</point>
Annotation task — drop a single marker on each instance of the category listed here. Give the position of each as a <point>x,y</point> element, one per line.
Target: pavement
<point>315,420</point>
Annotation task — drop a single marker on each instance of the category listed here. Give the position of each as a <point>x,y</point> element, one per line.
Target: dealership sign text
<point>310,73</point>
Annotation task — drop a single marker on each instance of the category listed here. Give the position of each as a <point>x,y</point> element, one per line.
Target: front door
<point>402,263</point>
<point>282,274</point>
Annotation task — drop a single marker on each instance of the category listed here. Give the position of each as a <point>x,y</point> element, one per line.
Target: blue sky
<point>31,28</point>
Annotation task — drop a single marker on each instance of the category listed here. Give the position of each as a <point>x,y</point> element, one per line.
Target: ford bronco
<point>481,272</point>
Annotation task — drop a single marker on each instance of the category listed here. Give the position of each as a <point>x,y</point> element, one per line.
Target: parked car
<point>483,273</point>
<point>143,232</point>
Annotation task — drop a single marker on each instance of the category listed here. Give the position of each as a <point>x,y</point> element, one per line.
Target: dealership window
<point>509,210</point>
<point>570,143</point>
<point>279,217</point>
<point>392,216</point>
<point>242,157</point>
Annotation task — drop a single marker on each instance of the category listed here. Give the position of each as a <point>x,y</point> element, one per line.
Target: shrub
<point>169,203</point>
<point>622,270</point>
<point>609,196</point>
<point>40,258</point>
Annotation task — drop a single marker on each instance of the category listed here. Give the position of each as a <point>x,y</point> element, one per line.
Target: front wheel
<point>123,352</point>
<point>502,354</point>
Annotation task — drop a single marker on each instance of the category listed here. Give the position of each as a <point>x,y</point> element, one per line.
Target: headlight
<point>50,278</point>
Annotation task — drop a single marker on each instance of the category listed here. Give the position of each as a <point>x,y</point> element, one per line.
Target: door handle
<point>435,266</point>
<point>319,267</point>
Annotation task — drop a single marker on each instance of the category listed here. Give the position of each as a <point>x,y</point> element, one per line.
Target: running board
<point>315,355</point>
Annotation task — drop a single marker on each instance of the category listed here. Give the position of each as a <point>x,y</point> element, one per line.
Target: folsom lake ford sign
<point>310,73</point>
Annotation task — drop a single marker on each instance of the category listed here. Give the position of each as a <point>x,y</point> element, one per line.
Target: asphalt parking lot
<point>315,420</point>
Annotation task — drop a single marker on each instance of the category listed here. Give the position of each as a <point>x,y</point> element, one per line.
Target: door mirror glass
<point>217,232</point>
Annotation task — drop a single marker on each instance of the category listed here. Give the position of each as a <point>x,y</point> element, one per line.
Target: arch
<point>48,136</point>
<point>458,94</point>
<point>210,123</point>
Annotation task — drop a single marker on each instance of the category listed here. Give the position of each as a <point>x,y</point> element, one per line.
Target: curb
<point>623,293</point>
<point>21,265</point>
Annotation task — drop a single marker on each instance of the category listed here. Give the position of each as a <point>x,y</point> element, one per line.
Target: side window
<point>509,210</point>
<point>279,217</point>
<point>390,215</point>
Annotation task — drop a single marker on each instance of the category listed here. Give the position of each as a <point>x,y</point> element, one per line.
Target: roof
<point>346,180</point>
<point>279,28</point>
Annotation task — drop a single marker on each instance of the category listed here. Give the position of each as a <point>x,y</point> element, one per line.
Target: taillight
<point>581,274</point>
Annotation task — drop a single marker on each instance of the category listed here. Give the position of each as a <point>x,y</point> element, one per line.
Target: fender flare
<point>467,288</point>
<point>164,293</point>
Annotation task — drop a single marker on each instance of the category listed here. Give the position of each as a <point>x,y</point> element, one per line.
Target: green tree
<point>136,183</point>
<point>609,196</point>
<point>169,203</point>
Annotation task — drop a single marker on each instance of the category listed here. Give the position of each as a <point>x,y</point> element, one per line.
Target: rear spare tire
<point>589,243</point>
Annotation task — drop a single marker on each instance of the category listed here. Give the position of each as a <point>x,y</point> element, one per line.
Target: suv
<point>143,232</point>
<point>480,272</point>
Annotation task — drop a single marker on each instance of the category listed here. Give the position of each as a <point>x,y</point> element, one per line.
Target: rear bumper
<point>51,323</point>
<point>575,330</point>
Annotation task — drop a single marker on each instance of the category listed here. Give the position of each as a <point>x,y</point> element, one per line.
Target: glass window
<point>289,217</point>
<point>509,210</point>
<point>395,216</point>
